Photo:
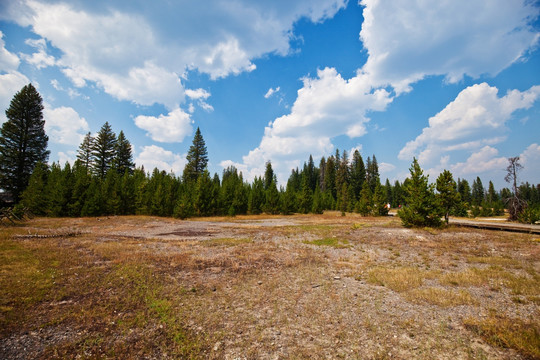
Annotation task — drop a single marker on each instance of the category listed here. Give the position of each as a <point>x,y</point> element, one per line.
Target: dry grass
<point>264,287</point>
<point>524,336</point>
<point>441,297</point>
<point>398,279</point>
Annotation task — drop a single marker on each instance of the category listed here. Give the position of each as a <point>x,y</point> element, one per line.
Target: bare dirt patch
<point>266,287</point>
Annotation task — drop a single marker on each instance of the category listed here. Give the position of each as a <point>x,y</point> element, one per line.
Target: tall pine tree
<point>103,151</point>
<point>197,159</point>
<point>84,154</point>
<point>123,160</point>
<point>23,142</point>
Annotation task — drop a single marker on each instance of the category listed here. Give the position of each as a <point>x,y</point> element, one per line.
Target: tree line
<point>105,181</point>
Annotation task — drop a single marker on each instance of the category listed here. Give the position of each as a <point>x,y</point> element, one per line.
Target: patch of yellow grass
<point>398,279</point>
<point>493,260</point>
<point>523,336</point>
<point>494,276</point>
<point>226,241</point>
<point>440,297</point>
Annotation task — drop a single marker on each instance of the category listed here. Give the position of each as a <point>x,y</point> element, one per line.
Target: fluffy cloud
<point>405,42</point>
<point>200,95</point>
<point>156,157</point>
<point>11,80</point>
<point>408,40</point>
<point>39,59</point>
<point>10,84</point>
<point>484,160</point>
<point>136,53</point>
<point>8,61</point>
<point>530,158</point>
<point>476,118</point>
<point>64,125</point>
<point>326,107</point>
<point>173,127</point>
<point>69,157</point>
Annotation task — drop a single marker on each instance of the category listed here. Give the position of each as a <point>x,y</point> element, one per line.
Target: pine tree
<point>372,173</point>
<point>358,173</point>
<point>422,207</point>
<point>448,195</point>
<point>322,174</point>
<point>184,204</point>
<point>364,205</point>
<point>464,191</point>
<point>123,160</point>
<point>268,175</point>
<point>257,197</point>
<point>379,201</point>
<point>203,195</point>
<point>81,181</point>
<point>317,207</point>
<point>127,194</point>
<point>271,205</point>
<point>388,191</point>
<point>305,197</point>
<point>197,158</point>
<point>345,198</point>
<point>35,196</point>
<point>23,142</point>
<point>342,174</point>
<point>492,196</point>
<point>312,173</point>
<point>477,192</point>
<point>103,151</point>
<point>84,154</point>
<point>397,194</point>
<point>288,201</point>
<point>93,205</point>
<point>330,176</point>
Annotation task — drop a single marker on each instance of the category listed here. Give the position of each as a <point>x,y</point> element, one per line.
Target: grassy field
<point>317,286</point>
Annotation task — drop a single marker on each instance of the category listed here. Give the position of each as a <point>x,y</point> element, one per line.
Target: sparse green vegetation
<point>329,241</point>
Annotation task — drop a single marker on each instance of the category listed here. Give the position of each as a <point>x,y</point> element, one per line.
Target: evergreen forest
<point>105,181</point>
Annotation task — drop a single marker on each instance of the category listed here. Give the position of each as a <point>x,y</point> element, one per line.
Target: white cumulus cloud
<point>64,125</point>
<point>326,107</point>
<point>408,40</point>
<point>8,60</point>
<point>484,160</point>
<point>156,157</point>
<point>476,118</point>
<point>530,158</point>
<point>39,59</point>
<point>173,127</point>
<point>136,53</point>
<point>10,83</point>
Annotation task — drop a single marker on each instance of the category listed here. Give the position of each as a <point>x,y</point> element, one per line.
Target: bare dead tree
<point>516,205</point>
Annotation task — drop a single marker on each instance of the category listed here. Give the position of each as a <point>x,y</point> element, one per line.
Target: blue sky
<point>455,84</point>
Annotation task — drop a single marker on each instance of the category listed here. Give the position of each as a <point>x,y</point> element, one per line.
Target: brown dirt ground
<point>271,287</point>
